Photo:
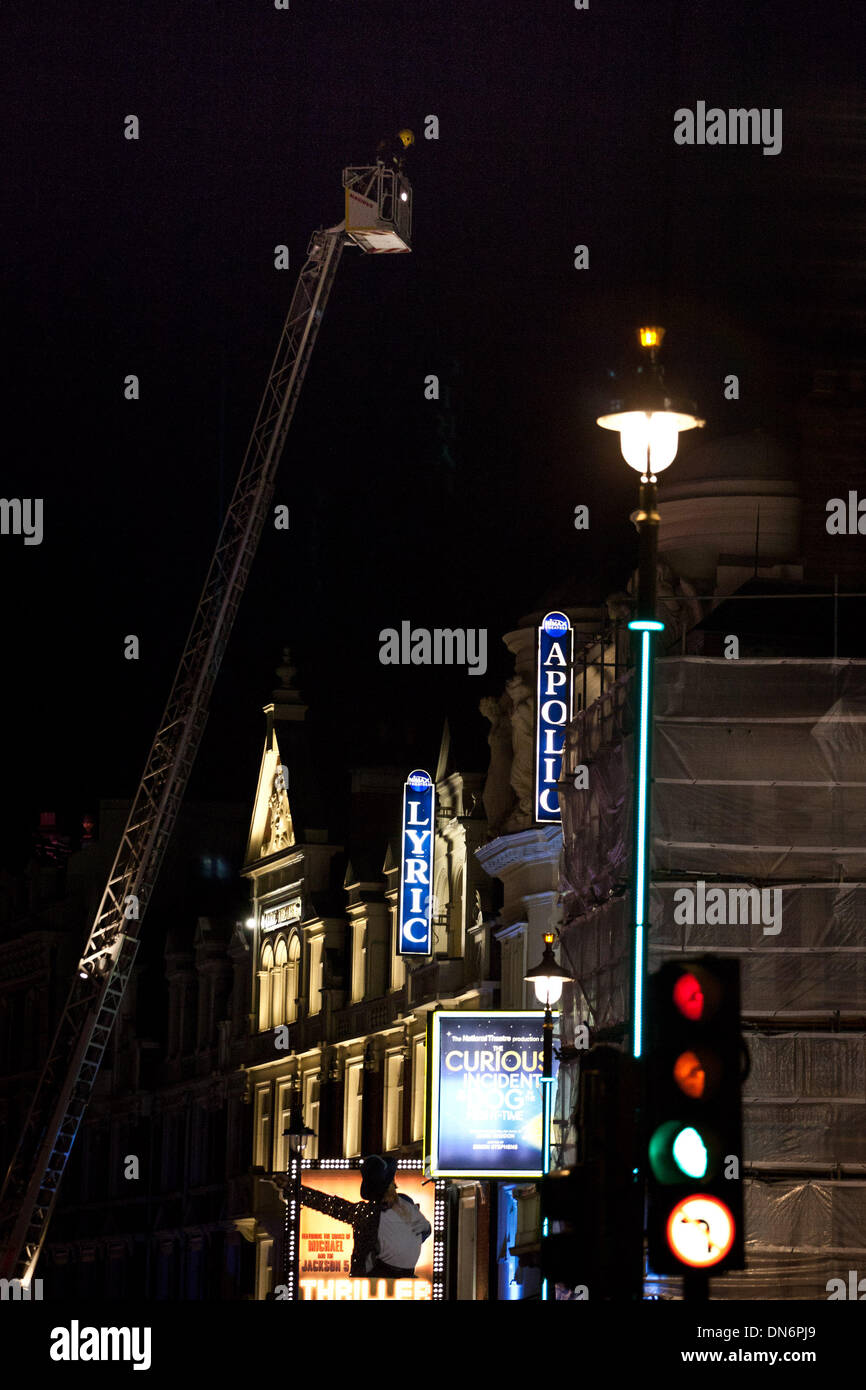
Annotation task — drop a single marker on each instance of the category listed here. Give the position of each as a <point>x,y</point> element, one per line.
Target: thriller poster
<point>325,1244</point>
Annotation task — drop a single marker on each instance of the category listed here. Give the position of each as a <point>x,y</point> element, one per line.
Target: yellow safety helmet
<point>407,138</point>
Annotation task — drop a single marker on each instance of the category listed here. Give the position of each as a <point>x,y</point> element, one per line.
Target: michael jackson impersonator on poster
<point>388,1228</point>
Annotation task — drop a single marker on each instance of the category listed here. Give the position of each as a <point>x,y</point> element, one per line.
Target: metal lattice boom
<point>32,1182</point>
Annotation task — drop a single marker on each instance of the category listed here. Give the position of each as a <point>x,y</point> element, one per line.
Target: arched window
<point>293,984</point>
<point>265,977</point>
<point>278,991</point>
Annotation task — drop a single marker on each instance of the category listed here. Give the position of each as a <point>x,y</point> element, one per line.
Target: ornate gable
<point>271,829</point>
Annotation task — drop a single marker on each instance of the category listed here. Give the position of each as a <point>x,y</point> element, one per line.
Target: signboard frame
<point>416,796</point>
<point>548,759</point>
<point>505,1022</point>
<point>295,1217</point>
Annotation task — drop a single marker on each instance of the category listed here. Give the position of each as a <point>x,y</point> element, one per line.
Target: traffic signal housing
<point>694,1117</point>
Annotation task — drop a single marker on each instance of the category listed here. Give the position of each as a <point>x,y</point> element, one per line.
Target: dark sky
<point>156,257</point>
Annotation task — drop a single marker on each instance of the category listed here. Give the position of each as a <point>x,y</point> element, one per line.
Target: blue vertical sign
<point>553,711</point>
<point>415,922</point>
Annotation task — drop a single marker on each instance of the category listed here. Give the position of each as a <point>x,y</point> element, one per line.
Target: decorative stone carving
<point>522,739</point>
<point>498,795</point>
<point>279,831</point>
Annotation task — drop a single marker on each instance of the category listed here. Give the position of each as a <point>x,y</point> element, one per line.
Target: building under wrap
<point>759,780</point>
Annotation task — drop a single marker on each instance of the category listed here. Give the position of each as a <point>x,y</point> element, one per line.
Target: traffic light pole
<point>546,1085</point>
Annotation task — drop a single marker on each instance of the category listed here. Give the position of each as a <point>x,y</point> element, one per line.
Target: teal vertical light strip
<point>646,627</point>
<point>641,864</point>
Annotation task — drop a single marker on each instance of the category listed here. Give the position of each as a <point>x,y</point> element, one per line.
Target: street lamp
<point>649,421</point>
<point>547,978</point>
<point>298,1135</point>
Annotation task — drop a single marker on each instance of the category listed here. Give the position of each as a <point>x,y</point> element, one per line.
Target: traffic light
<point>596,1204</point>
<point>693,1117</point>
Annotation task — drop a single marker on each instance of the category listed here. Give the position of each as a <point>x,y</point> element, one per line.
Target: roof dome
<point>754,455</point>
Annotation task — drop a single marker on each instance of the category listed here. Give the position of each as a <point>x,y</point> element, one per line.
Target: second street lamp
<point>547,978</point>
<point>297,1134</point>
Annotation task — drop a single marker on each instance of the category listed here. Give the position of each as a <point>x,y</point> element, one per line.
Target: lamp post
<point>648,420</point>
<point>297,1134</point>
<point>548,978</point>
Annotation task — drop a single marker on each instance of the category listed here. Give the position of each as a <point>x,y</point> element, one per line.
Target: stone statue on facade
<point>522,740</point>
<point>279,832</point>
<point>498,795</point>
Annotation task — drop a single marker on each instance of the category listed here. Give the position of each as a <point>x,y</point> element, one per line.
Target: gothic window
<point>265,978</point>
<point>419,1054</point>
<point>262,1126</point>
<point>352,1103</point>
<point>293,983</point>
<point>311,1112</point>
<point>359,960</point>
<point>316,946</point>
<point>278,991</point>
<point>393,1118</point>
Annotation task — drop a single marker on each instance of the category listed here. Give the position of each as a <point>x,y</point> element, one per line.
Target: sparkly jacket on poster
<point>363,1217</point>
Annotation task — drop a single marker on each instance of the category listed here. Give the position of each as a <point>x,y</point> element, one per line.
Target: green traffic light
<point>678,1152</point>
<point>690,1153</point>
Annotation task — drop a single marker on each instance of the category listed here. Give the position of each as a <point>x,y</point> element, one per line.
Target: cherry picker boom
<point>378,218</point>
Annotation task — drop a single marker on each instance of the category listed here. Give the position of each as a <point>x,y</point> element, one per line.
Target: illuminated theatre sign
<point>486,1107</point>
<point>553,711</point>
<point>325,1237</point>
<point>415,922</point>
<point>275,917</point>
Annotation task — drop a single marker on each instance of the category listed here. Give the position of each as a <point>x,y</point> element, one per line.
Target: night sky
<point>155,257</point>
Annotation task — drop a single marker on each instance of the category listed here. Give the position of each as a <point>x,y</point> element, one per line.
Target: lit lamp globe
<point>298,1134</point>
<point>547,977</point>
<point>647,417</point>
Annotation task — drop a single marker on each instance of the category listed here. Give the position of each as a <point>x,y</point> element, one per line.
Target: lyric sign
<point>415,921</point>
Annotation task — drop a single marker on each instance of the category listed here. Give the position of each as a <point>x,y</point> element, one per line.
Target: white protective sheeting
<point>759,781</point>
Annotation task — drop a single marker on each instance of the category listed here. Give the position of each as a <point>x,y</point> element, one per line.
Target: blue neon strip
<point>646,625</point>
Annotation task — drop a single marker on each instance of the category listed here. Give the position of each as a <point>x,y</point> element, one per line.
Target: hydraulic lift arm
<point>378,218</point>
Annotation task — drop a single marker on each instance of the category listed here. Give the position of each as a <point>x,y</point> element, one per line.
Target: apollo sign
<point>553,711</point>
<point>415,922</point>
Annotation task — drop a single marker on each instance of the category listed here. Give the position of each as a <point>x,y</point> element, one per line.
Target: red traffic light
<point>689,997</point>
<point>696,994</point>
